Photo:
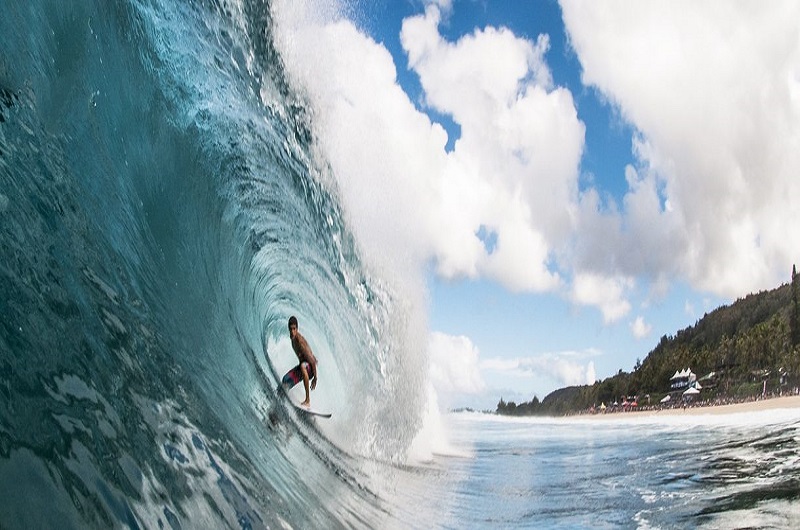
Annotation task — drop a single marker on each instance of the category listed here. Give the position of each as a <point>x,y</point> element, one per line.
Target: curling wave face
<point>162,213</point>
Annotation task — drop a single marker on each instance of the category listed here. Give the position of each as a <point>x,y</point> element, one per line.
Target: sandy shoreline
<point>786,402</point>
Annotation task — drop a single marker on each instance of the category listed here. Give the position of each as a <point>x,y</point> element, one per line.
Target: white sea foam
<point>433,438</point>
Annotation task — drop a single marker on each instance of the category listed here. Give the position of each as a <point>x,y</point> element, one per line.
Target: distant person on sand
<point>307,366</point>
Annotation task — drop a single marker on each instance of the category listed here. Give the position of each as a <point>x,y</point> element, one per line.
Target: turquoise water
<point>737,471</point>
<point>161,217</point>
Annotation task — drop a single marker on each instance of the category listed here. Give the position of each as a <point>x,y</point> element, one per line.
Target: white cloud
<point>713,89</point>
<point>640,328</point>
<point>445,6</point>
<point>387,157</point>
<point>512,172</point>
<point>565,368</point>
<point>479,75</point>
<point>454,365</point>
<point>607,293</point>
<point>521,141</point>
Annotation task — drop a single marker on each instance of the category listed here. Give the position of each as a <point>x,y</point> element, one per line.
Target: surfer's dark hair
<point>293,321</point>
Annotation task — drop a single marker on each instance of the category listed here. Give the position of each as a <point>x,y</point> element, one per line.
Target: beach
<point>766,404</point>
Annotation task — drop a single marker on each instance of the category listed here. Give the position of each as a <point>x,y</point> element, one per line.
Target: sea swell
<point>162,215</point>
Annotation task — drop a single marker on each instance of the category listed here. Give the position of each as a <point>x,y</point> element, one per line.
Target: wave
<point>163,212</point>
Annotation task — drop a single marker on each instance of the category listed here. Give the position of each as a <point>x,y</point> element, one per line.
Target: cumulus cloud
<point>520,140</point>
<point>640,328</point>
<point>607,293</point>
<point>445,5</point>
<point>454,365</point>
<point>512,173</point>
<point>388,158</point>
<point>564,368</point>
<point>713,91</point>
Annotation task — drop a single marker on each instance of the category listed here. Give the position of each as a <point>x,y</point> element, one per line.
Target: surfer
<point>307,366</point>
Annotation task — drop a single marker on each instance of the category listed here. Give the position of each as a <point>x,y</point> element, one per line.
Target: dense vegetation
<point>753,340</point>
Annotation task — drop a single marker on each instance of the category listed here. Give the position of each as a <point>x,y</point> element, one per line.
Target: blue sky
<point>574,179</point>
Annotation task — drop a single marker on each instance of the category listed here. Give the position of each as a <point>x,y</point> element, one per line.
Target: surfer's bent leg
<point>292,377</point>
<point>304,370</point>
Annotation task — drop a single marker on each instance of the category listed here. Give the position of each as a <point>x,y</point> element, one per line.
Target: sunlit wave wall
<point>162,213</point>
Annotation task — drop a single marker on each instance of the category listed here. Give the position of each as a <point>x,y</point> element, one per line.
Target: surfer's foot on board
<point>306,404</point>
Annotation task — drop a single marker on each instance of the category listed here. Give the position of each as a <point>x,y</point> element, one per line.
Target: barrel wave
<point>162,213</point>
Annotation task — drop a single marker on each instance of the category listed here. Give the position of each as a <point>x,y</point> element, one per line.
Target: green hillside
<point>753,340</point>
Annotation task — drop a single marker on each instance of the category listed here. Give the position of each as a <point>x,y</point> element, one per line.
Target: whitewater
<point>164,209</point>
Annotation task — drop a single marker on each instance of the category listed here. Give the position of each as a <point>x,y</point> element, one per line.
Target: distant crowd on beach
<point>689,403</point>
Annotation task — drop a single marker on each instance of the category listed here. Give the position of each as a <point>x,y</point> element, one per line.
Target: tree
<point>760,332</point>
<point>794,316</point>
<point>501,406</point>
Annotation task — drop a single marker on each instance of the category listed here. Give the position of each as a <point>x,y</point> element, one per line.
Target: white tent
<point>691,392</point>
<point>684,374</point>
<point>665,399</point>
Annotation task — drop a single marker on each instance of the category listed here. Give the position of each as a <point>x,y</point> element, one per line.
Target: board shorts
<point>295,375</point>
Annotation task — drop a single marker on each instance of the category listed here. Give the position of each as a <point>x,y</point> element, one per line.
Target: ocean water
<point>163,211</point>
<point>161,216</point>
<point>736,471</point>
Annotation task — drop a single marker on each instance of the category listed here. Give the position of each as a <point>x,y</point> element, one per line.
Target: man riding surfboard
<point>306,369</point>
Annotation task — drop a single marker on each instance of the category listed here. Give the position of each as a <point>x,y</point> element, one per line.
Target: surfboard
<point>310,411</point>
<point>306,410</point>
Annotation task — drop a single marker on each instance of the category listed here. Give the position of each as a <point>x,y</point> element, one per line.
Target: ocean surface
<point>163,211</point>
<point>696,471</point>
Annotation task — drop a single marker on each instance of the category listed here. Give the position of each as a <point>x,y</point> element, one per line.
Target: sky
<point>558,184</point>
